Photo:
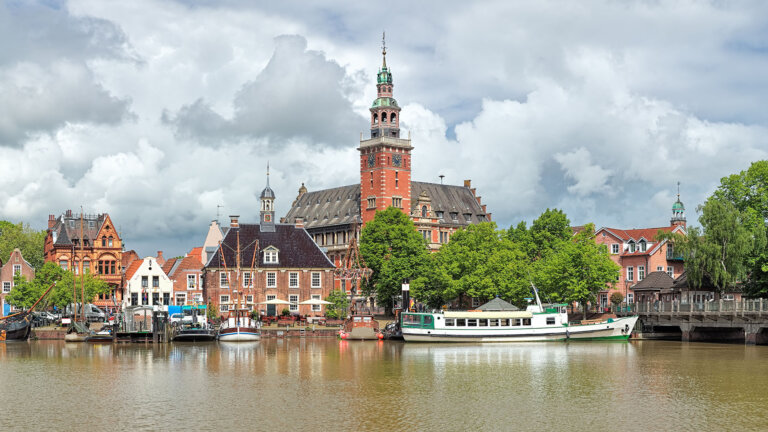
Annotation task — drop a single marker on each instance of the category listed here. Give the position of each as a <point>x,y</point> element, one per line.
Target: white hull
<point>240,336</point>
<point>619,328</point>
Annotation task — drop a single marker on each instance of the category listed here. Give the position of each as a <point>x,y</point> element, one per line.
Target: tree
<point>723,248</point>
<point>339,304</point>
<point>617,298</point>
<point>577,270</point>
<point>25,293</point>
<point>21,236</point>
<point>550,229</point>
<point>479,261</point>
<point>394,250</point>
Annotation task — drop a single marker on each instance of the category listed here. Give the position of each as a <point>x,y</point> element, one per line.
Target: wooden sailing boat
<point>78,331</point>
<point>18,326</point>
<point>239,326</point>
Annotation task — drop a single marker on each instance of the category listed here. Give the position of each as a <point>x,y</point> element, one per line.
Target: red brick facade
<point>15,264</point>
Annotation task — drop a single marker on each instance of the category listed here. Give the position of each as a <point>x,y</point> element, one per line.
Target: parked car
<point>180,318</point>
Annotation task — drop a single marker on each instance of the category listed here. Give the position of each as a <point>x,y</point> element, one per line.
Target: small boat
<point>239,327</point>
<point>361,327</point>
<point>194,327</point>
<point>536,323</point>
<point>15,328</point>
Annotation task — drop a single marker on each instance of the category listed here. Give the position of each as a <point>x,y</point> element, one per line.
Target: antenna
<point>441,178</point>
<point>218,207</point>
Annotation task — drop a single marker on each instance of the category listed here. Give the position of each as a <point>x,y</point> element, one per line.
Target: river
<point>325,384</point>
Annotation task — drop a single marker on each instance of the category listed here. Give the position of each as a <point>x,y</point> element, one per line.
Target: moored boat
<point>361,327</point>
<point>536,323</point>
<point>239,327</point>
<point>194,327</point>
<point>16,328</point>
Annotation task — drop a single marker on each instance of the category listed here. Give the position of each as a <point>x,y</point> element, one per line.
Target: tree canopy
<point>21,236</point>
<point>25,293</point>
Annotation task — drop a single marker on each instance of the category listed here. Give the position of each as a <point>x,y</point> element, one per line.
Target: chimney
<point>467,183</point>
<point>483,206</point>
<point>69,213</point>
<point>51,221</point>
<point>233,221</point>
<point>488,216</point>
<point>160,260</point>
<point>299,223</point>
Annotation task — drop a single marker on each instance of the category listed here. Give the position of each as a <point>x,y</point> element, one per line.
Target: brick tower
<point>385,158</point>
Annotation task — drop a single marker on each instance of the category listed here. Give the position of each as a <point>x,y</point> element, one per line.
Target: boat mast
<point>82,264</point>
<point>74,287</point>
<point>237,278</point>
<point>538,300</point>
<point>253,265</point>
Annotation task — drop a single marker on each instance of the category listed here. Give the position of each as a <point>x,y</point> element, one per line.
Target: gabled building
<point>147,284</point>
<point>267,261</point>
<point>333,216</point>
<point>87,243</point>
<point>639,253</point>
<point>16,265</point>
<point>186,275</point>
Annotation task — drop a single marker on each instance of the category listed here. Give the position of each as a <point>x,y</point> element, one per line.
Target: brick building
<point>16,264</point>
<point>267,261</point>
<point>639,254</point>
<point>186,275</point>
<point>90,243</point>
<point>333,216</point>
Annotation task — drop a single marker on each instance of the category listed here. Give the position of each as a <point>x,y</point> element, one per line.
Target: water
<point>324,384</point>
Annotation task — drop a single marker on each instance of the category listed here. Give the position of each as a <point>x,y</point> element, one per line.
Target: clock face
<point>371,160</point>
<point>397,160</point>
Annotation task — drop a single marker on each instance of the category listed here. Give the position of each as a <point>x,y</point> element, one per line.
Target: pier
<point>714,321</point>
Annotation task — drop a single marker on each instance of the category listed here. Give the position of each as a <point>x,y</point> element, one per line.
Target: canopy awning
<point>315,302</point>
<point>275,302</point>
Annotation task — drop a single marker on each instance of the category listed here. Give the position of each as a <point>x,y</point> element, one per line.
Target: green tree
<point>479,261</point>
<point>25,293</point>
<point>546,234</point>
<point>577,270</point>
<point>339,304</point>
<point>394,250</point>
<point>29,241</point>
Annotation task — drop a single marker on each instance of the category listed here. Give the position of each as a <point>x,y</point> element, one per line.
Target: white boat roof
<point>489,314</point>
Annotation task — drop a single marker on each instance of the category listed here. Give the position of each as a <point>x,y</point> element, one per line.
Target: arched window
<point>375,118</point>
<point>392,118</point>
<point>104,241</point>
<point>86,266</point>
<point>110,241</point>
<point>383,117</point>
<point>423,211</point>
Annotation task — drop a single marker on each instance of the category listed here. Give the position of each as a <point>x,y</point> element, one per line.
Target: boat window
<point>550,320</point>
<point>526,321</point>
<point>516,322</point>
<point>493,322</point>
<point>450,322</point>
<point>366,319</point>
<point>428,319</point>
<point>461,322</point>
<point>357,319</point>
<point>471,322</point>
<point>562,310</point>
<point>483,322</point>
<point>411,319</point>
<point>504,322</point>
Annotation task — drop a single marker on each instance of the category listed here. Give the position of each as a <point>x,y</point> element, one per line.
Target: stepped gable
<point>336,206</point>
<point>296,248</point>
<point>497,305</point>
<point>448,199</point>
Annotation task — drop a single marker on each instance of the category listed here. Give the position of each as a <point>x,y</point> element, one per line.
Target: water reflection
<point>375,385</point>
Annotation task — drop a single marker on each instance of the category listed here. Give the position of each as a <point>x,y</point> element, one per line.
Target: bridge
<point>721,321</point>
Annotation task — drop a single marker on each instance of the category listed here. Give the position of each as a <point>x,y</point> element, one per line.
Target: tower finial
<point>384,49</point>
<point>267,173</point>
<point>678,191</point>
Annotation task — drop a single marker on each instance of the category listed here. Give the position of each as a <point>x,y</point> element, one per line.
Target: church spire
<point>267,219</point>
<point>678,211</point>
<point>385,113</point>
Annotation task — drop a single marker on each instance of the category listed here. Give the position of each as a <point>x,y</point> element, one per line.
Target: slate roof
<point>657,280</point>
<point>296,248</point>
<point>67,228</point>
<point>681,284</point>
<point>341,205</point>
<point>498,304</point>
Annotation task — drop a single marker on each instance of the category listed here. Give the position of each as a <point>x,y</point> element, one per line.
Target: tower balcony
<point>387,141</point>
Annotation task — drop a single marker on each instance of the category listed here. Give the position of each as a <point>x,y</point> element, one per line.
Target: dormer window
<point>270,255</point>
<point>643,245</point>
<point>631,246</point>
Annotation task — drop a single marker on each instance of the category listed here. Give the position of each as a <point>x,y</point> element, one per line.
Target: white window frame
<point>7,287</point>
<point>198,297</point>
<point>223,279</point>
<point>640,273</point>
<point>271,256</point>
<point>293,280</point>
<point>294,300</point>
<point>249,299</point>
<point>614,248</point>
<point>643,245</point>
<point>193,278</point>
<point>316,280</point>
<point>273,282</point>
<point>630,273</point>
<point>223,308</point>
<point>316,308</point>
<point>630,297</point>
<point>16,269</point>
<point>671,271</point>
<point>247,280</point>
<point>632,247</point>
<point>224,299</point>
<point>182,296</point>
<point>659,268</point>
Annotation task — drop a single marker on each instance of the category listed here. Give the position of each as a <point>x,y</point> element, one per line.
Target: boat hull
<point>239,334</point>
<point>17,330</point>
<point>193,335</point>
<point>617,329</point>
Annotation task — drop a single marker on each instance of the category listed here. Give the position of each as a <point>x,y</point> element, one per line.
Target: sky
<point>157,112</point>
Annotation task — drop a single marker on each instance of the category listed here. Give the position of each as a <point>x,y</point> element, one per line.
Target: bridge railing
<point>722,306</point>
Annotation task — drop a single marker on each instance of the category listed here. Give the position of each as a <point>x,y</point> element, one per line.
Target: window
<point>455,216</point>
<point>103,241</point>
<point>293,280</point>
<point>642,245</point>
<point>271,280</point>
<point>144,281</point>
<point>443,237</point>
<point>640,273</point>
<point>659,268</point>
<point>224,299</point>
<point>198,298</point>
<point>181,299</point>
<point>6,287</point>
<point>631,247</point>
<point>423,211</point>
<point>167,299</point>
<point>223,308</point>
<point>110,241</point>
<point>397,181</point>
<point>475,302</point>
<point>294,300</point>
<point>191,281</point>
<point>86,266</point>
<point>671,271</point>
<point>397,202</point>
<point>90,224</point>
<point>315,279</point>
<point>450,322</point>
<point>16,269</point>
<point>155,281</point>
<point>134,299</point>
<point>615,248</point>
<point>630,273</point>
<point>526,321</point>
<point>670,252</point>
<point>63,264</point>
<point>247,281</point>
<point>630,298</point>
<point>155,299</point>
<point>728,297</point>
<point>223,280</point>
<point>471,322</point>
<point>371,201</point>
<point>550,320</point>
<point>249,299</point>
<point>270,256</point>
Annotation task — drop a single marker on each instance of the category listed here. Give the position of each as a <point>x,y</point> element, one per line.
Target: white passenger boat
<point>536,323</point>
